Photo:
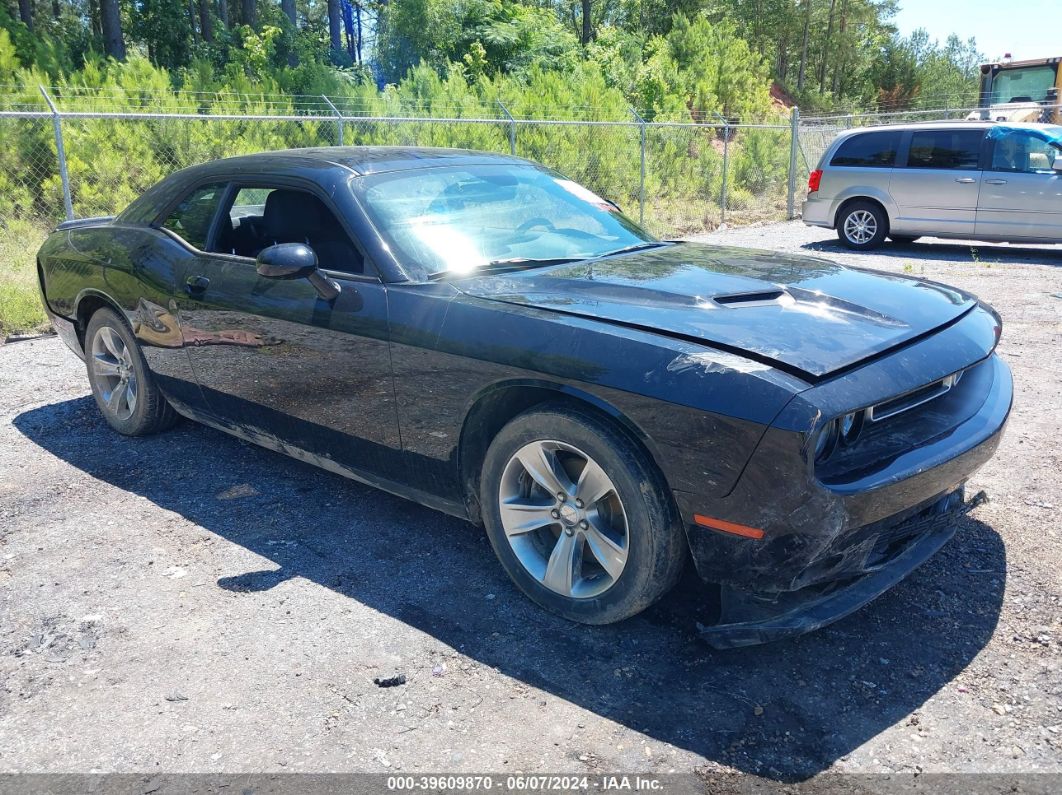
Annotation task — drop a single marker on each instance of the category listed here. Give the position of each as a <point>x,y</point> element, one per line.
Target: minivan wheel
<point>579,519</point>
<point>862,225</point>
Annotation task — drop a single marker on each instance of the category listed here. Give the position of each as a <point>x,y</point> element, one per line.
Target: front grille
<point>905,423</point>
<point>898,405</point>
<point>870,547</point>
<point>893,540</point>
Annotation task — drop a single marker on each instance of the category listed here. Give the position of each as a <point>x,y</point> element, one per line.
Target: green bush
<point>112,160</point>
<point>20,301</point>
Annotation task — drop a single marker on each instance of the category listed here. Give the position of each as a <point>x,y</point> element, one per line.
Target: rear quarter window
<point>191,218</point>
<point>870,150</point>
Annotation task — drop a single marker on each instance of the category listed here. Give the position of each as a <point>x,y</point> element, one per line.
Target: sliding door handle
<point>995,182</point>
<point>966,180</point>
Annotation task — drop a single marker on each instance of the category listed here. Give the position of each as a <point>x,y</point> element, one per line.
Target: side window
<point>946,149</point>
<point>260,217</point>
<point>1023,151</point>
<point>190,220</point>
<point>872,150</point>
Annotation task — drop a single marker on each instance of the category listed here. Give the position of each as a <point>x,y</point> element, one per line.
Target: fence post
<point>339,117</point>
<point>726,163</point>
<point>794,142</point>
<point>641,181</point>
<point>64,176</point>
<point>512,127</point>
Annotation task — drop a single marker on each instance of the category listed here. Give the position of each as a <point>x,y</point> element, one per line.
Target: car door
<point>1021,192</point>
<point>936,187</point>
<point>276,361</point>
<point>162,254</point>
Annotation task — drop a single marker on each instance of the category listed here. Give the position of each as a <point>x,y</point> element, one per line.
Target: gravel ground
<point>190,603</point>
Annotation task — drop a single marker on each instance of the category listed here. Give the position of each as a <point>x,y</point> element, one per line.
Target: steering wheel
<point>531,223</point>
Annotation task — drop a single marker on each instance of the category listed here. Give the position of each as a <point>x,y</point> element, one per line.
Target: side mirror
<point>286,261</point>
<point>295,261</point>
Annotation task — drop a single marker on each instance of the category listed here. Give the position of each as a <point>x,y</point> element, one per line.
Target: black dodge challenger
<point>477,333</point>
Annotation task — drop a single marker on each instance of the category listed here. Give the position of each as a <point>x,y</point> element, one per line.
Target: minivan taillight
<point>814,178</point>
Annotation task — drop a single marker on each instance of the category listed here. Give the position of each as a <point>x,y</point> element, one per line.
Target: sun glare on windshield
<point>458,219</point>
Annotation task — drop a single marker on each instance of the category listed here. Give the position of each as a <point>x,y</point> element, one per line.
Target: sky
<point>1024,28</point>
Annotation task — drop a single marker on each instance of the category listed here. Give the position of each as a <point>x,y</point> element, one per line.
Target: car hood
<point>801,314</point>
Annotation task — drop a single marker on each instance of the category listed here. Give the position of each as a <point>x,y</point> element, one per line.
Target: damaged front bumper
<point>822,538</point>
<point>749,618</point>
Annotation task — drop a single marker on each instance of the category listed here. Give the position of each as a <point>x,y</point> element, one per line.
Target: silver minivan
<point>974,180</point>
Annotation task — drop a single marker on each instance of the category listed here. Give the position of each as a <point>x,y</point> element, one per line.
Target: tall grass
<point>20,302</point>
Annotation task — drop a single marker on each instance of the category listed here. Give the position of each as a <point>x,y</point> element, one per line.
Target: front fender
<point>698,411</point>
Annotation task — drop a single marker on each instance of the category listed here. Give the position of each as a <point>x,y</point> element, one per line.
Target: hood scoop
<point>757,298</point>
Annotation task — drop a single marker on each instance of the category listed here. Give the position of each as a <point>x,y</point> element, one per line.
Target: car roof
<point>360,160</point>
<point>319,164</point>
<point>949,125</point>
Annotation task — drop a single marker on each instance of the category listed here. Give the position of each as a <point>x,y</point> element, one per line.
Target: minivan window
<point>1024,151</point>
<point>950,149</point>
<point>873,150</point>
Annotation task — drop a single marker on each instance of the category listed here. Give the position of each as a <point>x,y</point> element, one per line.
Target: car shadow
<point>785,711</point>
<point>938,250</point>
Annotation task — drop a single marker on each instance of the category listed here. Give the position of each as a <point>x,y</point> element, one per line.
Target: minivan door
<point>1021,192</point>
<point>936,186</point>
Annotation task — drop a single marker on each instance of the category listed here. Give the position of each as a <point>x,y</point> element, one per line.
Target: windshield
<point>1028,84</point>
<point>457,220</point>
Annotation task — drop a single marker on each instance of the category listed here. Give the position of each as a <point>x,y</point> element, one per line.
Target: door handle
<point>966,180</point>
<point>194,285</point>
<point>995,182</point>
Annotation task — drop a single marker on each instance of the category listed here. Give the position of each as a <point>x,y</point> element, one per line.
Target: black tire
<point>655,542</point>
<point>903,240</point>
<point>147,412</point>
<point>868,228</point>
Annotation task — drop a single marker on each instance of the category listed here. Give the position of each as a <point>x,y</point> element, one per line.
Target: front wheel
<point>578,517</point>
<point>122,384</point>
<point>862,226</point>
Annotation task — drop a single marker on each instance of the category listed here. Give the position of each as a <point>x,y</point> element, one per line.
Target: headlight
<point>851,425</point>
<point>843,430</point>
<point>826,440</point>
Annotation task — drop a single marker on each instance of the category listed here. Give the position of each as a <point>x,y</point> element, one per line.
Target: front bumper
<point>748,619</point>
<point>818,527</point>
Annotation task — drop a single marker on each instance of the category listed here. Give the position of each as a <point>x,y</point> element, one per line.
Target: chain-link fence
<point>73,154</point>
<point>69,156</point>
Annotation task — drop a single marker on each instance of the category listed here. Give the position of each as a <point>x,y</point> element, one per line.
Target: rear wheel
<point>578,518</point>
<point>122,384</point>
<point>862,225</point>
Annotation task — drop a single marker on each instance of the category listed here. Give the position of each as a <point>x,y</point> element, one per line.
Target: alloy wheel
<point>112,365</point>
<point>860,227</point>
<point>563,518</point>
